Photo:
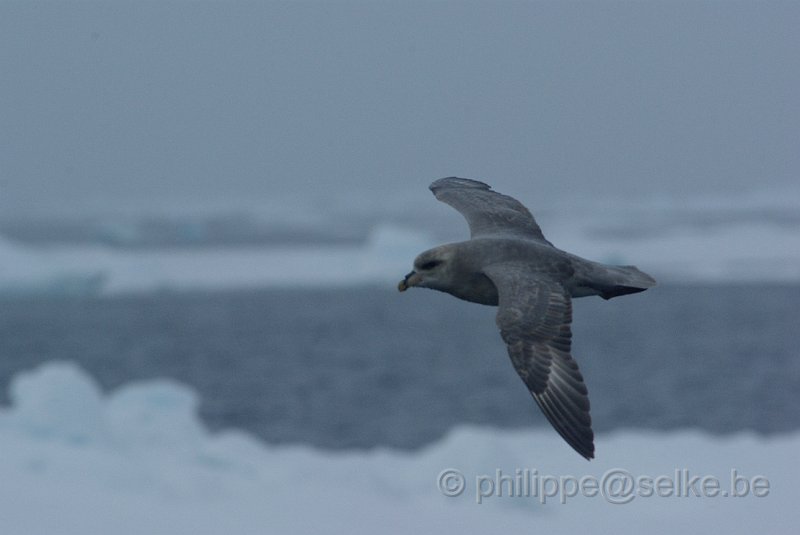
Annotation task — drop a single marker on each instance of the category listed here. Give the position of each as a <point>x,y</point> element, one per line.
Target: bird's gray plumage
<point>488,213</point>
<point>509,263</point>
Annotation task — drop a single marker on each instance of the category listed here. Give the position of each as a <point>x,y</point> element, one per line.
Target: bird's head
<point>432,269</point>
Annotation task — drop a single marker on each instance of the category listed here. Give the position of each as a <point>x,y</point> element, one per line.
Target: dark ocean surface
<point>365,367</point>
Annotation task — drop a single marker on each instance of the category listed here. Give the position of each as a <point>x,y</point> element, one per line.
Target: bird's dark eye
<point>430,265</point>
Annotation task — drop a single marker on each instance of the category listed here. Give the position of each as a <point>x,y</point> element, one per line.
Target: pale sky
<point>129,103</point>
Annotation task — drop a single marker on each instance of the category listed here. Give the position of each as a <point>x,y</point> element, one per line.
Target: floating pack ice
<point>74,460</point>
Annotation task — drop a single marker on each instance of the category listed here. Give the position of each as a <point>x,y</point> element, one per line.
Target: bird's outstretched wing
<point>487,212</point>
<point>534,317</point>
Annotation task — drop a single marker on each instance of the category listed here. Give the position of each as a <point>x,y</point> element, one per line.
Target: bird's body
<point>580,277</point>
<point>508,263</point>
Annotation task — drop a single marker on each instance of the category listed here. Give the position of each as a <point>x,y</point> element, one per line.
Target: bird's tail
<point>623,280</point>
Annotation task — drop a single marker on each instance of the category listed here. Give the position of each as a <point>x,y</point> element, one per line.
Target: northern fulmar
<point>508,263</point>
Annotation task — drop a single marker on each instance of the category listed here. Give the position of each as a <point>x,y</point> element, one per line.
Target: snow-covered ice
<point>752,239</point>
<point>55,269</point>
<point>138,460</point>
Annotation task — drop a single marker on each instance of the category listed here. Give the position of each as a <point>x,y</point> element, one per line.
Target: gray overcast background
<point>112,105</point>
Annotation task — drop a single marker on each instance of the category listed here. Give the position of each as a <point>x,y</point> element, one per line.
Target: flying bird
<point>508,263</point>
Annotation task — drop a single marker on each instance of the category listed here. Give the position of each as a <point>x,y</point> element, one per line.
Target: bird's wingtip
<point>454,181</point>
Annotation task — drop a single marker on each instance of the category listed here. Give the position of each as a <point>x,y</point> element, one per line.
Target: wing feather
<point>534,317</point>
<point>487,212</point>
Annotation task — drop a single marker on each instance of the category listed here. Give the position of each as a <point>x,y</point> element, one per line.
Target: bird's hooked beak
<point>412,279</point>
